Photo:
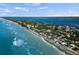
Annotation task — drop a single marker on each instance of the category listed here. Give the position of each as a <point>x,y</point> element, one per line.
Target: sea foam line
<point>43,39</point>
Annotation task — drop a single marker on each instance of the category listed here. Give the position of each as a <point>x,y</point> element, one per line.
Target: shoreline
<point>44,39</point>
<point>52,43</point>
<point>62,49</point>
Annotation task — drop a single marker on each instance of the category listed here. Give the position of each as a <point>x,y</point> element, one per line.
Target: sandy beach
<point>52,43</point>
<point>47,42</point>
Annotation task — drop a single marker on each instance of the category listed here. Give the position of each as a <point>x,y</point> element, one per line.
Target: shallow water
<point>16,40</point>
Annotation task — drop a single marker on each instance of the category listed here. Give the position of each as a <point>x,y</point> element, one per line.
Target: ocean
<point>17,40</point>
<point>71,21</point>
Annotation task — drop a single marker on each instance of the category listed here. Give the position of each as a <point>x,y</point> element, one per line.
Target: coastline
<point>52,43</point>
<point>47,42</point>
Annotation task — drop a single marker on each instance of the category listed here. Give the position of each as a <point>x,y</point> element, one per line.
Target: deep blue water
<point>50,20</point>
<point>16,40</point>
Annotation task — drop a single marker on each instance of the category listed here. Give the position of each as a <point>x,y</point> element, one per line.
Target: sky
<point>39,9</point>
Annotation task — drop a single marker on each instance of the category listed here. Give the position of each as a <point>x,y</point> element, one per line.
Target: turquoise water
<point>16,40</point>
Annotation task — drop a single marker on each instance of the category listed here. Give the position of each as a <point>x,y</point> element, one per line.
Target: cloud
<point>18,8</point>
<point>3,4</point>
<point>5,11</point>
<point>36,4</point>
<point>27,4</point>
<point>68,12</point>
<point>45,7</point>
<point>22,9</point>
